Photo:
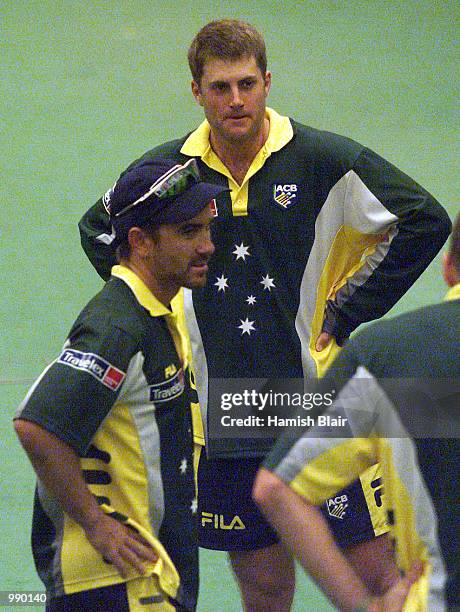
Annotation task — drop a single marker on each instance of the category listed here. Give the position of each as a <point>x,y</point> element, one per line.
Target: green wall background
<point>88,86</point>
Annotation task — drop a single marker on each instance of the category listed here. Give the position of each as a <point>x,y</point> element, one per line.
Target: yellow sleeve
<point>336,467</point>
<point>177,305</point>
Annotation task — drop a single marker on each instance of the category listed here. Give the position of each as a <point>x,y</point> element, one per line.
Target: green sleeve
<point>97,239</point>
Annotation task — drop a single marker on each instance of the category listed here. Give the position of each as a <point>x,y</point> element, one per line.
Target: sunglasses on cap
<point>177,180</point>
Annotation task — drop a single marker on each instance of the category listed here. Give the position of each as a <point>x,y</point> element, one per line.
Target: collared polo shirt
<point>119,395</point>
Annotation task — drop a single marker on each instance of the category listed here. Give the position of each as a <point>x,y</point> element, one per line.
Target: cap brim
<point>187,205</point>
<point>182,207</point>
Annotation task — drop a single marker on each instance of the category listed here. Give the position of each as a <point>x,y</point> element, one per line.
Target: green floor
<point>88,86</point>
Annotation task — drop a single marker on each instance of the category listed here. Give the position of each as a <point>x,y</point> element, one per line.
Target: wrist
<point>92,519</point>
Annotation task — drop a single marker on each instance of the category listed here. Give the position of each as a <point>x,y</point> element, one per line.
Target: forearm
<point>323,560</point>
<point>306,534</point>
<point>374,562</point>
<point>58,468</point>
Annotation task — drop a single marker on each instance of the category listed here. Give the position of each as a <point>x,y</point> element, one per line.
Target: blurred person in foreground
<point>397,384</point>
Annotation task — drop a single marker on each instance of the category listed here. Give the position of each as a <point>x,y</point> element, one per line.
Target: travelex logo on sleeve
<point>99,368</point>
<point>168,389</point>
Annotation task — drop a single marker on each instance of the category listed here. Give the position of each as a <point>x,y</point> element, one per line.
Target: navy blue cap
<point>158,191</point>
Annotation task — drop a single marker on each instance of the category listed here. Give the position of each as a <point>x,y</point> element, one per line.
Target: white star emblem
<point>267,282</point>
<point>183,466</point>
<point>247,326</point>
<point>251,300</point>
<point>221,283</point>
<point>241,251</point>
<point>194,505</point>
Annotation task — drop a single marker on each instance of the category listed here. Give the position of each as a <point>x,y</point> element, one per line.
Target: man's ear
<point>196,92</point>
<point>139,241</point>
<point>449,271</point>
<point>267,83</point>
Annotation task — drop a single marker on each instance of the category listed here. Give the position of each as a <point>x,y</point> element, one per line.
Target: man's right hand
<point>116,542</point>
<point>394,598</point>
<point>120,545</point>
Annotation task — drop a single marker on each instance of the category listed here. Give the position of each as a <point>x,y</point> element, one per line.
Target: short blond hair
<point>226,39</point>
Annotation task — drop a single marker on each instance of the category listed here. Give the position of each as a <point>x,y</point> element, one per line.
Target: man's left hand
<point>322,341</point>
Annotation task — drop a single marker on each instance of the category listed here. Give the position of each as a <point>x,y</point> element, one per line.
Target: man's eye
<point>247,84</point>
<point>189,230</point>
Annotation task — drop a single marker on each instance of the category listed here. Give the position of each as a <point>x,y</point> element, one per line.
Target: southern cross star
<point>221,283</point>
<point>241,251</point>
<point>246,326</point>
<point>267,282</point>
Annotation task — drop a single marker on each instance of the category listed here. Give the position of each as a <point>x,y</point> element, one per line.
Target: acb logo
<point>284,195</point>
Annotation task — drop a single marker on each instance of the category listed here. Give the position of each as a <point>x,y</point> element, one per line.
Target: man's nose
<point>206,246</point>
<point>236,100</point>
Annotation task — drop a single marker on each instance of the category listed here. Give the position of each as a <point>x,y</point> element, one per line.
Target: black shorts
<point>113,598</point>
<point>230,520</point>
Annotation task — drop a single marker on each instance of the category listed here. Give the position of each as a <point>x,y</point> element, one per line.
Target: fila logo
<point>378,492</point>
<point>217,521</point>
<point>284,195</point>
<point>170,370</point>
<point>336,506</point>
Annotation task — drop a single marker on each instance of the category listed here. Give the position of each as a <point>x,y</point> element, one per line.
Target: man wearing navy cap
<point>108,425</point>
